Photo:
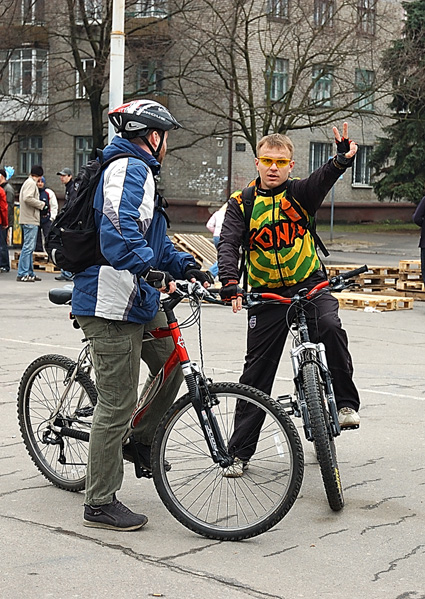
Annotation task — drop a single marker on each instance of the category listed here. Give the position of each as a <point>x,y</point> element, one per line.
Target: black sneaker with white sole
<point>113,516</point>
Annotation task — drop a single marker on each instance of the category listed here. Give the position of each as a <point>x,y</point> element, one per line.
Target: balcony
<point>22,109</point>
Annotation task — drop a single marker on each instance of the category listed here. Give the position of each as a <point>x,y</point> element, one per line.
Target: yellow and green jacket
<point>281,251</point>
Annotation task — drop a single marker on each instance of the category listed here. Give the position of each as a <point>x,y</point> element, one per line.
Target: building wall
<point>195,178</point>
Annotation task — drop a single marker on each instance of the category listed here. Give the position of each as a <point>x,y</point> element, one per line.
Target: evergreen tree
<point>399,158</point>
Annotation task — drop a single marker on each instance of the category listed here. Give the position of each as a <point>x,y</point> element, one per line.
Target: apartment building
<point>230,71</point>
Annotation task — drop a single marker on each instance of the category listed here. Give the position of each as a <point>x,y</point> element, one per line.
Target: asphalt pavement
<point>374,548</point>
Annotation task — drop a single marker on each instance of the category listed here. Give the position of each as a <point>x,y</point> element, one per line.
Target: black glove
<point>342,147</point>
<point>192,272</point>
<point>158,278</point>
<point>231,291</point>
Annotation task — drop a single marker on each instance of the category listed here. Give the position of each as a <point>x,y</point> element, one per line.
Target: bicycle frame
<point>196,383</point>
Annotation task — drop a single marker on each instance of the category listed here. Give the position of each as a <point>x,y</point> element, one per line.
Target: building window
<point>319,154</point>
<point>324,12</point>
<point>83,150</point>
<point>366,11</point>
<point>322,86</point>
<point>361,168</point>
<point>277,76</point>
<point>88,68</point>
<point>150,77</point>
<point>278,9</point>
<point>147,8</point>
<point>30,153</point>
<point>28,72</point>
<point>32,11</point>
<point>364,81</point>
<point>92,12</point>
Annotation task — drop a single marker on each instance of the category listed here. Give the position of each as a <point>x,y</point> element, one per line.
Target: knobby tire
<point>322,436</point>
<point>195,491</point>
<point>40,390</point>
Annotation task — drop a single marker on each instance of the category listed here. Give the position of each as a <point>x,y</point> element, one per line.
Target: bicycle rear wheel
<point>195,490</point>
<point>322,435</point>
<point>45,386</point>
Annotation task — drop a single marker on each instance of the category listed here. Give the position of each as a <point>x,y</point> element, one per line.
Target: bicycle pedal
<point>350,428</point>
<point>286,402</point>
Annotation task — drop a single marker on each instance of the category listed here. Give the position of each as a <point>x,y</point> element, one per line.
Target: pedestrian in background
<point>29,219</point>
<point>47,215</point>
<point>10,196</point>
<point>4,225</point>
<point>66,177</point>
<point>214,225</point>
<point>419,219</point>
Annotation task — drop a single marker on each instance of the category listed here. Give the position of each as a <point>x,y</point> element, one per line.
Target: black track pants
<point>267,333</point>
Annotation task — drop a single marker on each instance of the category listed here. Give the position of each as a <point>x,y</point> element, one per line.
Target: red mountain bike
<point>57,396</point>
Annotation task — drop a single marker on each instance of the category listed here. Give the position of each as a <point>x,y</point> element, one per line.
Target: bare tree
<point>272,66</point>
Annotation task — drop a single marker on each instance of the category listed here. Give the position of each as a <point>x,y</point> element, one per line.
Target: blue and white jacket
<point>132,239</point>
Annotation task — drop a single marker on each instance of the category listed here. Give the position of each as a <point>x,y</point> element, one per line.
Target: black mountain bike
<point>314,399</point>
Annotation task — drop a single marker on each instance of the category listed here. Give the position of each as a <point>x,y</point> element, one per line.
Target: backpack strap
<point>305,222</point>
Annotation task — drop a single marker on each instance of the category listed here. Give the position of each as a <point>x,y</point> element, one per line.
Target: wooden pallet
<point>382,303</point>
<point>201,248</point>
<point>410,266</point>
<point>46,266</point>
<point>381,271</point>
<point>409,285</point>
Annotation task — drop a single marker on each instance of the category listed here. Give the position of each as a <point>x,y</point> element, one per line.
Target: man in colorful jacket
<point>114,303</point>
<point>282,258</point>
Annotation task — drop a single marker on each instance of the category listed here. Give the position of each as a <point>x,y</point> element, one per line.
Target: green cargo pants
<point>116,349</point>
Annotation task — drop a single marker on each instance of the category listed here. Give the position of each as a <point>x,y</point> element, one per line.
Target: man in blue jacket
<point>114,303</point>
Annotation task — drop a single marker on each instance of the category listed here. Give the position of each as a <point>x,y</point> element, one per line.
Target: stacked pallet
<point>382,288</point>
<point>40,261</point>
<point>201,248</point>
<point>375,302</point>
<point>410,279</point>
<point>377,279</point>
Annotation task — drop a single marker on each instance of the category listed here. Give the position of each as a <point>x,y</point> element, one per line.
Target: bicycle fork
<point>312,352</point>
<point>203,403</point>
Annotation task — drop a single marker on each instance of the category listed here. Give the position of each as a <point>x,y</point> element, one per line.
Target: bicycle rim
<point>61,459</point>
<point>195,490</point>
<point>322,436</point>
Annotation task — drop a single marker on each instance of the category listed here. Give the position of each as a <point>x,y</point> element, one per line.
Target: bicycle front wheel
<point>322,435</point>
<point>197,491</point>
<point>49,400</point>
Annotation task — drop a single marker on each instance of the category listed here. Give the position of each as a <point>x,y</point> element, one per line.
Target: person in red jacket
<point>4,224</point>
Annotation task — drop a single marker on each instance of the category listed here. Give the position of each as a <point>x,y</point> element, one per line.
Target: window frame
<point>366,16</point>
<point>80,89</point>
<point>30,154</point>
<point>362,83</point>
<point>278,9</point>
<point>277,78</point>
<point>93,10</point>
<point>36,74</point>
<point>324,12</point>
<point>154,68</point>
<point>33,11</point>
<point>319,154</point>
<point>142,9</point>
<point>82,155</point>
<point>362,171</point>
<point>322,86</point>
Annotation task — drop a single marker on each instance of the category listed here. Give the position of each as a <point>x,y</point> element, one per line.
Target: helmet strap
<point>155,153</point>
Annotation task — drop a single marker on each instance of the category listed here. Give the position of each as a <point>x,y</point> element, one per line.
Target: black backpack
<point>248,197</point>
<point>73,242</point>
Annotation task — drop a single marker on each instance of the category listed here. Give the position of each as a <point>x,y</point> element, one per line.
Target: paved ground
<point>374,548</point>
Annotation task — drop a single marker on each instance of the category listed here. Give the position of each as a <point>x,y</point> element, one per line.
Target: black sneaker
<point>114,516</point>
<point>144,452</point>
